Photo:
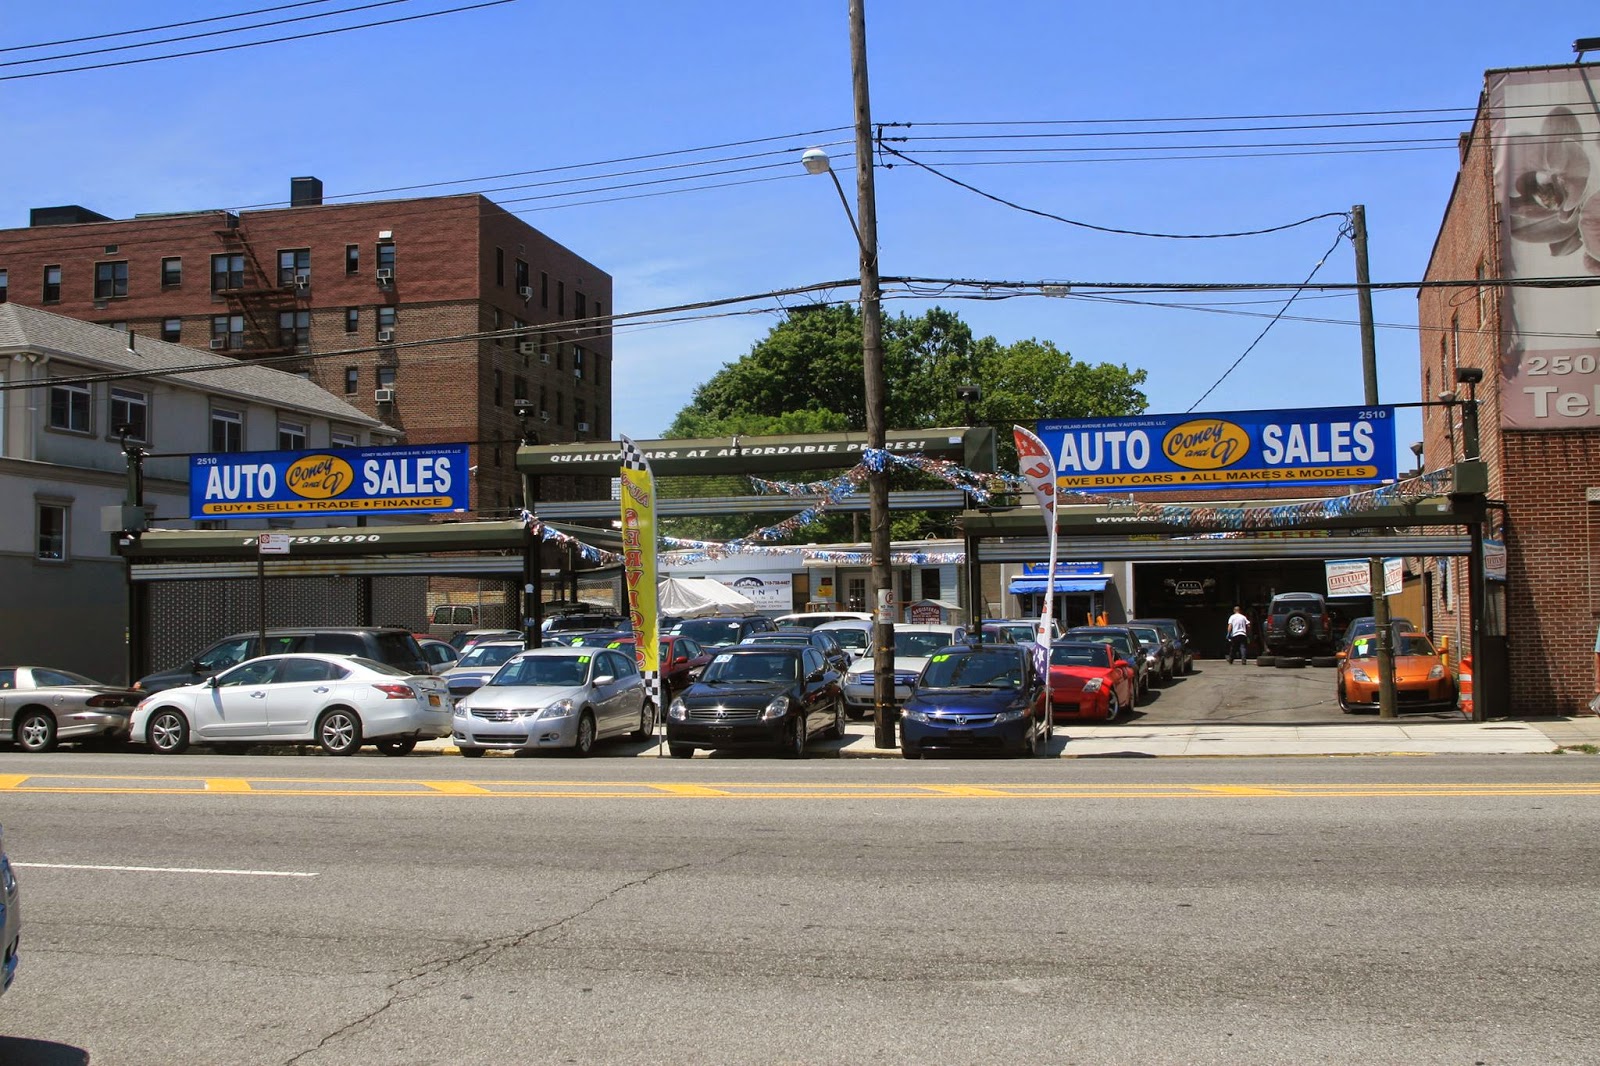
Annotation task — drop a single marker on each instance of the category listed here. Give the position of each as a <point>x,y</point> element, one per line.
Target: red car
<point>1088,682</point>
<point>682,659</point>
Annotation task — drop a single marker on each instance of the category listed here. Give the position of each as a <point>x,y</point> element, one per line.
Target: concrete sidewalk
<point>1531,737</point>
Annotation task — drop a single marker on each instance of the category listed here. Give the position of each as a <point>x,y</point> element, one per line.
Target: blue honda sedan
<point>984,698</point>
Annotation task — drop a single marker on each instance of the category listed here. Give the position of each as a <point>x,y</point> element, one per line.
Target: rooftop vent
<point>305,192</point>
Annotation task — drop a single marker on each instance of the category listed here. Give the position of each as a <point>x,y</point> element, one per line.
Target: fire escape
<point>261,298</point>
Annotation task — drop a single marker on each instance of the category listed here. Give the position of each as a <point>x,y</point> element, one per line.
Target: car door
<point>816,690</point>
<point>302,687</point>
<point>234,706</point>
<point>8,685</point>
<point>624,695</point>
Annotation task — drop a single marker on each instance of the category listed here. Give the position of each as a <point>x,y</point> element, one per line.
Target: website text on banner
<point>1314,446</point>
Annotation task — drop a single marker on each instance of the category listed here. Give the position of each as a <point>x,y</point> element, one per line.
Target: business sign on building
<point>769,592</point>
<point>1353,577</point>
<point>425,477</point>
<point>1240,449</point>
<point>1545,133</point>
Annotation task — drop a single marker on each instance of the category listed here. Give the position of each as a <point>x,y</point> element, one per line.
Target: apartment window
<point>560,356</point>
<point>227,272</point>
<point>519,388</point>
<point>522,276</point>
<point>386,377</point>
<point>171,272</point>
<point>227,430</point>
<point>580,305</point>
<point>291,436</point>
<point>227,331</point>
<point>352,380</point>
<point>341,439</point>
<point>599,375</point>
<point>51,521</point>
<point>500,267</point>
<point>544,402</point>
<point>577,361</point>
<point>494,326</point>
<point>69,408</point>
<point>130,412</point>
<point>110,279</point>
<point>292,263</point>
<point>599,313</point>
<point>352,319</point>
<point>352,259</point>
<point>561,298</point>
<point>578,413</point>
<point>386,255</point>
<point>544,289</point>
<point>499,396</point>
<point>386,317</point>
<point>294,329</point>
<point>560,409</point>
<point>172,329</point>
<point>52,284</point>
<point>5,286</point>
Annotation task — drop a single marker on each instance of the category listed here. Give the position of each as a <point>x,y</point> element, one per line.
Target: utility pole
<point>1369,378</point>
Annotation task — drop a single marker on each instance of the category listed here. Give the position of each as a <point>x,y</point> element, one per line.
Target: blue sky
<point>530,85</point>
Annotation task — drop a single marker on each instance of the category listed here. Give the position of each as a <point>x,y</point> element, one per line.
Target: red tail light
<point>396,692</point>
<point>107,700</point>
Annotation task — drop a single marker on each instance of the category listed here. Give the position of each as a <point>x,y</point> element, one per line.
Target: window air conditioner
<point>577,372</point>
<point>528,347</point>
<point>383,396</point>
<point>385,275</point>
<point>219,344</point>
<point>544,416</point>
<point>583,427</point>
<point>544,357</point>
<point>385,336</point>
<point>302,281</point>
<point>525,291</point>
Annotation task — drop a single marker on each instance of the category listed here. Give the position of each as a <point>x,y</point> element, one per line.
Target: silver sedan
<point>555,697</point>
<point>41,706</point>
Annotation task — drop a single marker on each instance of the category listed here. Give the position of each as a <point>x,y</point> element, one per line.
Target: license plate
<point>433,699</point>
<point>720,731</point>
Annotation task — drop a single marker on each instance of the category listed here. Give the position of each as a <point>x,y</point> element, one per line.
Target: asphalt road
<point>311,910</point>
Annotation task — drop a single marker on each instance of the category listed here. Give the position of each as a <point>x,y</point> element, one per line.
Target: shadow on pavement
<point>18,1051</point>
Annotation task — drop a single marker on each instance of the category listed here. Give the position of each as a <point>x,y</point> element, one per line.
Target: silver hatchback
<point>555,697</point>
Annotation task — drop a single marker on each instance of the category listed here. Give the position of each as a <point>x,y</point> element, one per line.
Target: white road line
<point>160,869</point>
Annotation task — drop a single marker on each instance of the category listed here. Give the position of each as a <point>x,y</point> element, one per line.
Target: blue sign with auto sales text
<point>423,477</point>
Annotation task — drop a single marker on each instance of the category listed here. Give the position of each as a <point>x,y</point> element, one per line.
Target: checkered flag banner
<point>639,565</point>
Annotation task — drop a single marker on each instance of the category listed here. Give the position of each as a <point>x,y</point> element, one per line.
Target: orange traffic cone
<point>1464,686</point>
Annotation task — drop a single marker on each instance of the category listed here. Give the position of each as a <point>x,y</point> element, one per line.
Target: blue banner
<point>1239,449</point>
<point>423,477</point>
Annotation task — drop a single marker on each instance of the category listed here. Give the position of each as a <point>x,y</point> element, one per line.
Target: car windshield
<point>712,632</point>
<point>1120,641</point>
<point>1147,634</point>
<point>1366,645</point>
<point>752,666</point>
<point>910,643</point>
<point>1085,654</point>
<point>972,670</point>
<point>482,655</point>
<point>854,639</point>
<point>555,671</point>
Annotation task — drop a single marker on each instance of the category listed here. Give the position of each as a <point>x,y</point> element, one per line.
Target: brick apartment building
<point>435,315</point>
<point>1526,205</point>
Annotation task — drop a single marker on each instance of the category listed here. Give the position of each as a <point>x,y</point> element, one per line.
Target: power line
<point>167,26</point>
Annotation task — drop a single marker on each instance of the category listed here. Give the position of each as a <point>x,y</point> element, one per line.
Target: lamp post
<point>1416,450</point>
<point>816,161</point>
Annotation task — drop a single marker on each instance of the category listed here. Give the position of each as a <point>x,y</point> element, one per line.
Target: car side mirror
<point>1123,663</point>
<point>211,682</point>
<point>1342,656</point>
<point>604,679</point>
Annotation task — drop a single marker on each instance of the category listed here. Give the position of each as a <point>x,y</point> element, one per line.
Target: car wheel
<point>471,753</point>
<point>1113,708</point>
<point>1297,625</point>
<point>36,731</point>
<point>1291,662</point>
<point>647,722</point>
<point>1343,706</point>
<point>794,738</point>
<point>680,751</point>
<point>167,733</point>
<point>339,731</point>
<point>397,747</point>
<point>1266,660</point>
<point>583,743</point>
<point>838,720</point>
<point>854,715</point>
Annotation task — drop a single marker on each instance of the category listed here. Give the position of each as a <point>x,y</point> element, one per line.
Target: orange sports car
<point>1422,681</point>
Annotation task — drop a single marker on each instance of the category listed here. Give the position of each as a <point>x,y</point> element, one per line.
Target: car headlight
<point>1093,684</point>
<point>677,712</point>
<point>1437,672</point>
<point>462,707</point>
<point>1358,674</point>
<point>913,714</point>
<point>1011,714</point>
<point>776,709</point>
<point>558,709</point>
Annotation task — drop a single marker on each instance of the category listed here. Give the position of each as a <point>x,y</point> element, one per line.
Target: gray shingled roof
<point>99,349</point>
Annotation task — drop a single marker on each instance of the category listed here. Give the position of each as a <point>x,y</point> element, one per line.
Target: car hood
<point>903,664</point>
<point>1068,674</point>
<point>964,700</point>
<point>514,697</point>
<point>734,693</point>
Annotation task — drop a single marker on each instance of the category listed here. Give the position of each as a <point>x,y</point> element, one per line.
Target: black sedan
<point>764,696</point>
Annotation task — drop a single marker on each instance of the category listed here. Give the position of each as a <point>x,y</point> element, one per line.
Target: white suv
<point>912,646</point>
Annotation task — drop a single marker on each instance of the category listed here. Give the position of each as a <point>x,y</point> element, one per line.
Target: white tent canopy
<point>700,597</point>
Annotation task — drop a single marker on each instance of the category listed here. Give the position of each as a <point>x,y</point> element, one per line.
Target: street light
<point>816,161</point>
<point>1416,450</point>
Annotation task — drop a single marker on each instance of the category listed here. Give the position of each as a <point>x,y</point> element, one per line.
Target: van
<point>448,619</point>
<point>385,644</point>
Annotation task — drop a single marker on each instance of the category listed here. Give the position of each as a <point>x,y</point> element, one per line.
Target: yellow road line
<point>1242,790</point>
<point>227,784</point>
<point>967,790</point>
<point>457,788</point>
<point>12,780</point>
<point>691,790</point>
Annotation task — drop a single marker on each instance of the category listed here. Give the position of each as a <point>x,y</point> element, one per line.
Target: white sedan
<point>337,701</point>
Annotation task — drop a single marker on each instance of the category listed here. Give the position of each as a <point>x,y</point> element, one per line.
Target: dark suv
<point>1298,623</point>
<point>719,632</point>
<point>397,647</point>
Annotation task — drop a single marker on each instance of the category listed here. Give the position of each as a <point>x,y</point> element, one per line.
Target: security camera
<point>1469,375</point>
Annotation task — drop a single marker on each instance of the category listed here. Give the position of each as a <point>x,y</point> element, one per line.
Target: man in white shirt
<point>1238,634</point>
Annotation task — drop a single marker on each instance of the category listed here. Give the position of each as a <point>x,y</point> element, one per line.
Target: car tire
<point>397,747</point>
<point>167,732</point>
<point>681,751</point>
<point>471,753</point>
<point>854,716</point>
<point>838,720</point>
<point>583,743</point>
<point>794,739</point>
<point>647,722</point>
<point>339,731</point>
<point>1113,708</point>
<point>1266,660</point>
<point>36,731</point>
<point>1324,660</point>
<point>1298,625</point>
<point>1291,662</point>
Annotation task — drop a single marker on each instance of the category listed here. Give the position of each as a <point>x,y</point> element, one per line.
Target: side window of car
<point>225,654</point>
<point>299,670</point>
<point>8,678</point>
<point>623,666</point>
<point>252,673</point>
<point>812,660</point>
<point>336,644</point>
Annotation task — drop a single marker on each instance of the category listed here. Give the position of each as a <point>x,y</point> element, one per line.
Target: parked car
<point>384,644</point>
<point>1160,656</point>
<point>337,701</point>
<point>556,697</point>
<point>681,657</point>
<point>757,696</point>
<point>1422,681</point>
<point>1022,630</point>
<point>10,918</point>
<point>440,654</point>
<point>464,641</point>
<point>584,622</point>
<point>1089,682</point>
<point>813,619</point>
<point>479,663</point>
<point>977,698</point>
<point>833,652</point>
<point>1177,634</point>
<point>40,707</point>
<point>447,620</point>
<point>1298,623</point>
<point>912,646</point>
<point>1366,625</point>
<point>721,632</point>
<point>1128,649</point>
<point>853,634</point>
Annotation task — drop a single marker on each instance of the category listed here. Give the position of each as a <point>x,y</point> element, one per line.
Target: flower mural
<point>1548,181</point>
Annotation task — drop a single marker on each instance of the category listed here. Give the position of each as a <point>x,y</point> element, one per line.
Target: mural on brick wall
<point>1545,128</point>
